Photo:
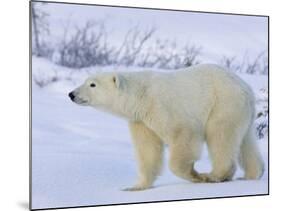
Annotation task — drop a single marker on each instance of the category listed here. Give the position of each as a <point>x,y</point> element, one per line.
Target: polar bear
<point>182,109</point>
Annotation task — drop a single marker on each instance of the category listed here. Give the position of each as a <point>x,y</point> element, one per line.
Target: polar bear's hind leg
<point>184,152</point>
<point>250,157</point>
<point>223,140</point>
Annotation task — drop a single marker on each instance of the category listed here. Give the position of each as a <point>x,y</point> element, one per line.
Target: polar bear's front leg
<point>149,152</point>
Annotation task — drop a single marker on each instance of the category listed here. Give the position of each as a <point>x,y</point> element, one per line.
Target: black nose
<point>71,95</point>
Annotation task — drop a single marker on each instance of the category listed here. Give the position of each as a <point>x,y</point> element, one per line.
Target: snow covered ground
<point>81,156</point>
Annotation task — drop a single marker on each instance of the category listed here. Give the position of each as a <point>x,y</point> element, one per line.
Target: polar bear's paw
<point>197,179</point>
<point>136,188</point>
<point>210,178</point>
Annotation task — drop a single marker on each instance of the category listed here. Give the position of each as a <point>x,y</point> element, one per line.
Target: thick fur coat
<point>183,109</point>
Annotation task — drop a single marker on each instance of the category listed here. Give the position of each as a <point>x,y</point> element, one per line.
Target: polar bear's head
<point>103,91</point>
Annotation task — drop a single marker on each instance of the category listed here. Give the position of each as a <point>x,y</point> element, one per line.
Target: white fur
<point>183,109</point>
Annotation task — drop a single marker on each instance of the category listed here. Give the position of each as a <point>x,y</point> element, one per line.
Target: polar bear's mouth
<point>80,101</point>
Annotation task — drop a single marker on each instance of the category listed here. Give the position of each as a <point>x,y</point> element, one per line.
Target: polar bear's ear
<point>119,81</point>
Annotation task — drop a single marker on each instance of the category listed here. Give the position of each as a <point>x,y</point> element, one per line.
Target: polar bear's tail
<point>250,156</point>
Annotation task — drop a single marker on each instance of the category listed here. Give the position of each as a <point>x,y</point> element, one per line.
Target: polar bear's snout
<point>71,95</point>
<point>77,97</point>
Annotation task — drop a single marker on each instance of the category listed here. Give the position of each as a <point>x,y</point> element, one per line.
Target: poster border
<point>147,8</point>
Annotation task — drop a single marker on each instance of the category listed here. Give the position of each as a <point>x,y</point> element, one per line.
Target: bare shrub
<point>167,55</point>
<point>40,29</point>
<point>258,65</point>
<point>262,113</point>
<point>86,46</point>
<point>132,46</point>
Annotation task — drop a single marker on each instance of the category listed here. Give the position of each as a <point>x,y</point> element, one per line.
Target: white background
<point>14,112</point>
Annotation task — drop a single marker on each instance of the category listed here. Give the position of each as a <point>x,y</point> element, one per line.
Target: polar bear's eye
<point>92,85</point>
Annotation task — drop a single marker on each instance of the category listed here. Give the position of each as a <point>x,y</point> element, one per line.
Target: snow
<point>81,156</point>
